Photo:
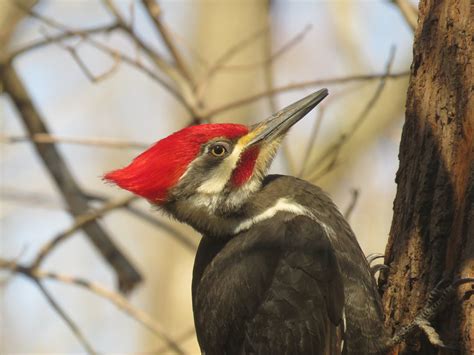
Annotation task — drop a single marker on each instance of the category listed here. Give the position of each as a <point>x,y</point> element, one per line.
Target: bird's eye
<point>218,150</point>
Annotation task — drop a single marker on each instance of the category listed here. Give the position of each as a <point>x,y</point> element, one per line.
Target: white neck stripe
<point>282,205</point>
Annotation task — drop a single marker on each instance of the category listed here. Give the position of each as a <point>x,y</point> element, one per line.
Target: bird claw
<point>438,298</point>
<point>374,269</point>
<point>373,256</point>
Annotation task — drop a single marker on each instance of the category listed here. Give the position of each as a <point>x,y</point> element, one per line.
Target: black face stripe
<point>202,167</point>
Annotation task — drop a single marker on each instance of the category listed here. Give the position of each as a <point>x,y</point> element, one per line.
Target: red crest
<point>156,170</point>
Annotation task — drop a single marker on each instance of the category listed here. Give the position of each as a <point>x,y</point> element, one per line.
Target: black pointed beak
<point>280,122</point>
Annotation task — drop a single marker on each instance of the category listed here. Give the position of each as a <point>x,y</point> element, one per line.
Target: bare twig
<point>63,36</point>
<point>103,142</point>
<point>271,57</point>
<point>184,88</point>
<point>43,200</point>
<point>127,275</point>
<point>180,237</point>
<point>269,84</point>
<point>79,223</point>
<point>332,152</point>
<point>312,139</point>
<point>72,50</point>
<point>154,12</point>
<point>30,198</point>
<point>70,323</point>
<point>91,76</point>
<point>119,301</point>
<point>224,58</point>
<point>188,334</point>
<point>297,86</point>
<point>167,69</point>
<point>317,126</point>
<point>352,204</point>
<point>193,51</point>
<point>409,12</point>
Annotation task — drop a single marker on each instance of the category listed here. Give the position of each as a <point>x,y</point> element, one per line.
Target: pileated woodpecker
<point>278,269</point>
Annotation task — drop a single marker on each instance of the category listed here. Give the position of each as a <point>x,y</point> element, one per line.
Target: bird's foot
<point>438,298</point>
<point>377,267</point>
<point>373,256</point>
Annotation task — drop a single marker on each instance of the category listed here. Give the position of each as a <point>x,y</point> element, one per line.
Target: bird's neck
<point>222,217</point>
<point>216,214</point>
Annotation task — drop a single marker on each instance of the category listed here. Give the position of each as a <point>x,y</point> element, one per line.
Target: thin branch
<point>315,131</point>
<point>119,301</point>
<point>312,139</point>
<point>272,57</point>
<point>297,86</point>
<point>224,58</point>
<point>72,50</point>
<point>193,51</point>
<point>332,152</point>
<point>91,76</point>
<point>409,12</point>
<point>269,84</point>
<point>179,236</point>
<point>33,199</point>
<point>125,58</point>
<point>184,87</point>
<point>154,12</point>
<point>63,36</point>
<point>352,204</point>
<point>103,142</point>
<point>70,323</point>
<point>190,333</point>
<point>127,275</point>
<point>79,223</point>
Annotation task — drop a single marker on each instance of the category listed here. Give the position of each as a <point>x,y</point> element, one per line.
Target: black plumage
<point>282,286</point>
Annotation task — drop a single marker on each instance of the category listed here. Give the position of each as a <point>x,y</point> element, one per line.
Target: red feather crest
<point>156,170</point>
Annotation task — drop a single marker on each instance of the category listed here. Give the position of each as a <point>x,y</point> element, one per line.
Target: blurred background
<point>231,50</point>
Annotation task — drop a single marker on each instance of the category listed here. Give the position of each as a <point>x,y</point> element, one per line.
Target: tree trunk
<point>432,234</point>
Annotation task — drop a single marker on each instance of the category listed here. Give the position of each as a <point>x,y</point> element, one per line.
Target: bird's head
<point>210,160</point>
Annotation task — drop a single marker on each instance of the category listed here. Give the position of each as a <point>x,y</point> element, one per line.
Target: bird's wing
<point>273,289</point>
<point>303,306</point>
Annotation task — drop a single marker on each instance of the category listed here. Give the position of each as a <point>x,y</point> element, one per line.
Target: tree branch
<point>127,275</point>
<point>269,56</point>
<point>297,86</point>
<point>332,152</point>
<point>182,95</point>
<point>79,223</point>
<point>61,37</point>
<point>409,12</point>
<point>179,236</point>
<point>153,10</point>
<point>118,300</point>
<point>352,204</point>
<point>184,87</point>
<point>103,142</point>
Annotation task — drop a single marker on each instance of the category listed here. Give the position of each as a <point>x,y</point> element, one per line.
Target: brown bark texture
<point>432,233</point>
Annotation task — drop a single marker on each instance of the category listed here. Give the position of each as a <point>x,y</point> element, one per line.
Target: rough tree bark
<point>432,234</point>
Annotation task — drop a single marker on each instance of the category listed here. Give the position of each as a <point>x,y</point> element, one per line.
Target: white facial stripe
<point>221,174</point>
<point>282,205</point>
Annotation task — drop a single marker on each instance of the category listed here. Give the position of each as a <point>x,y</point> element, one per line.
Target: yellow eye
<point>218,150</point>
